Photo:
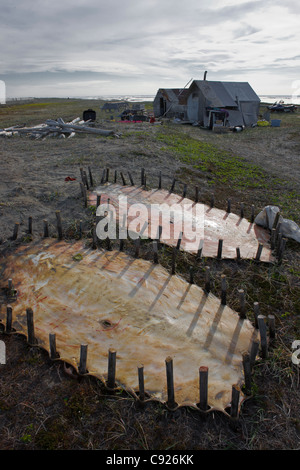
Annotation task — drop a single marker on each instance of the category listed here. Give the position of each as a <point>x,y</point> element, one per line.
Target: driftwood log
<point>56,128</point>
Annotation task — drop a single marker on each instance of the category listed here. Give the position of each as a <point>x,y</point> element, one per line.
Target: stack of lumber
<point>56,128</point>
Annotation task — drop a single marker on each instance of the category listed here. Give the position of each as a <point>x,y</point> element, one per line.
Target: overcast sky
<point>94,47</point>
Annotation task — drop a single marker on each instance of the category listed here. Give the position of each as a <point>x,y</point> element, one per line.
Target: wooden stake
<point>271,323</point>
<point>130,177</point>
<point>82,189</point>
<point>8,319</point>
<point>203,388</point>
<point>273,239</point>
<point>91,176</point>
<point>30,225</point>
<point>247,373</point>
<point>191,270</point>
<point>111,368</point>
<point>199,252</point>
<point>170,383</point>
<point>107,175</point>
<point>258,253</point>
<point>256,313</point>
<point>263,336</point>
<point>279,240</point>
<point>253,352</point>
<point>252,214</point>
<point>276,220</point>
<point>52,346</point>
<point>80,229</point>
<point>83,359</point>
<point>212,200</point>
<point>59,225</point>
<point>228,206</point>
<point>16,230</point>
<point>282,248</point>
<point>46,229</point>
<point>159,232</point>
<point>184,191</point>
<point>86,180</point>
<point>137,247</point>
<point>220,247</point>
<point>30,326</point>
<point>238,254</point>
<point>155,251</point>
<point>159,180</point>
<point>242,304</point>
<point>223,289</point>
<point>235,398</point>
<point>98,200</point>
<point>103,177</point>
<point>123,179</point>
<point>242,210</point>
<point>141,382</point>
<point>174,253</point>
<point>121,248</point>
<point>115,177</point>
<point>179,241</point>
<point>82,176</point>
<point>173,185</point>
<point>108,243</point>
<point>207,280</point>
<point>196,194</point>
<point>277,232</point>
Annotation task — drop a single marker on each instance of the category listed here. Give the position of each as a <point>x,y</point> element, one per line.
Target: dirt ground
<point>41,406</point>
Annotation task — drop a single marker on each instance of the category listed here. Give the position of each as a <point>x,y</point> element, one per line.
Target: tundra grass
<point>231,171</point>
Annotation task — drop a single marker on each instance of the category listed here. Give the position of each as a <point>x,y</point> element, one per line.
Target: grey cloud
<point>244,30</point>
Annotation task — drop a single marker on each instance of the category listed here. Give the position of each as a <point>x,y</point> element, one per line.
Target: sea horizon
<point>270,99</point>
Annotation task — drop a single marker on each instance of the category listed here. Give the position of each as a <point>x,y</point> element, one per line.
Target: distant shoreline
<point>265,99</point>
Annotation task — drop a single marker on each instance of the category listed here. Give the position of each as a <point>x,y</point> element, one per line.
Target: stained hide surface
<point>211,224</point>
<point>107,299</point>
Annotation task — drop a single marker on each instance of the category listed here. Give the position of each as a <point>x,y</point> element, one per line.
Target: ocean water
<point>288,99</point>
<point>131,98</point>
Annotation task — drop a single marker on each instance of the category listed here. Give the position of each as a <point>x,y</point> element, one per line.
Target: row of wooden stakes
<point>278,242</point>
<point>207,285</point>
<point>175,251</point>
<point>248,360</point>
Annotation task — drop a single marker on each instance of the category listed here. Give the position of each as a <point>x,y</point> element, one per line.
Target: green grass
<point>225,169</point>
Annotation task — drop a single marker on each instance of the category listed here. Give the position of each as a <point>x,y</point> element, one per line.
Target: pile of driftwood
<point>58,128</point>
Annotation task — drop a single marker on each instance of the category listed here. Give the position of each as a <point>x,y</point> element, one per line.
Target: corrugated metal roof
<point>242,90</point>
<point>226,93</point>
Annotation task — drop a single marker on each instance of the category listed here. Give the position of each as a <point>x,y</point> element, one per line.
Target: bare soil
<point>41,406</point>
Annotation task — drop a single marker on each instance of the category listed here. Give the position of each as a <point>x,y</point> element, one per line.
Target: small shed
<point>236,100</point>
<point>171,103</point>
<point>114,106</point>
